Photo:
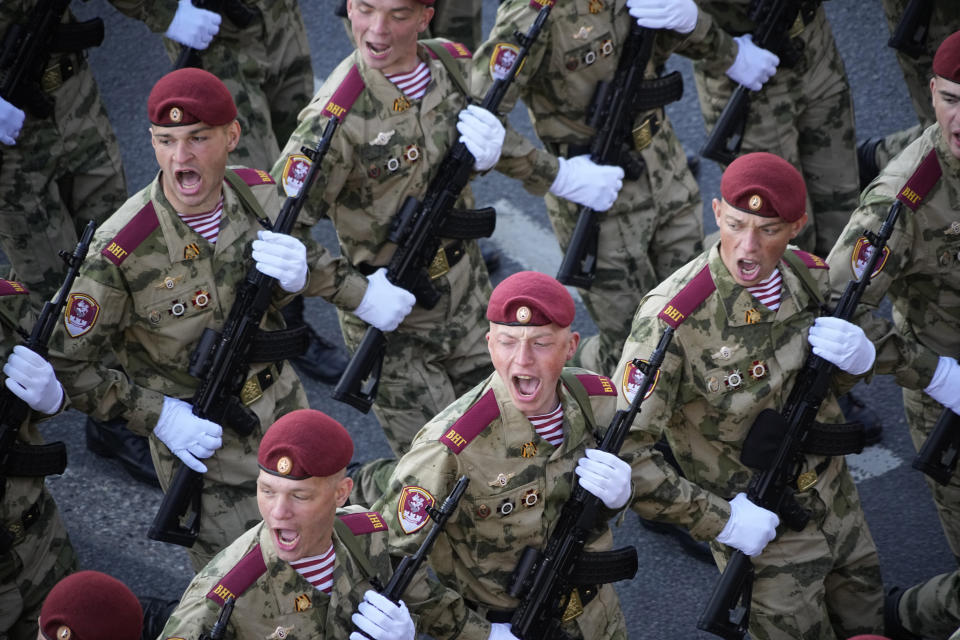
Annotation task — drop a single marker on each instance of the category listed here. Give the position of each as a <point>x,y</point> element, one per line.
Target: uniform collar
<point>741,307</point>
<point>517,428</point>
<point>387,93</point>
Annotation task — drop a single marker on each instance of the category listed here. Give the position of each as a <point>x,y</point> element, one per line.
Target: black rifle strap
<point>448,62</point>
<point>35,460</point>
<point>283,344</point>
<point>575,387</point>
<point>806,278</point>
<point>834,439</point>
<point>348,540</point>
<point>604,567</point>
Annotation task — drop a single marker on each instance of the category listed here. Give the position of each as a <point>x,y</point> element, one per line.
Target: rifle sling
<point>245,194</point>
<point>282,344</point>
<point>834,439</point>
<point>604,567</point>
<point>449,63</point>
<point>469,224</point>
<point>348,540</point>
<point>35,460</point>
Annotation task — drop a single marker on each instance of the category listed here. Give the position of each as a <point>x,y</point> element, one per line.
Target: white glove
<point>11,121</point>
<point>282,257</point>
<point>31,378</point>
<point>605,476</point>
<point>384,304</point>
<point>193,27</point>
<point>483,134</point>
<point>501,631</point>
<point>592,185</point>
<point>676,15</point>
<point>187,436</point>
<point>753,65</point>
<point>382,620</point>
<point>750,527</point>
<point>842,343</point>
<point>945,385</point>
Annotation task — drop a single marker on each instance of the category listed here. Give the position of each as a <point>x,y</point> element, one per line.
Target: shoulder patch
<point>239,579</point>
<point>132,234</point>
<point>472,423</point>
<point>922,180</point>
<point>363,523</point>
<point>597,385</point>
<point>345,95</point>
<point>539,4</point>
<point>412,508</point>
<point>689,298</point>
<point>811,261</point>
<point>253,177</point>
<point>12,288</point>
<point>456,49</point>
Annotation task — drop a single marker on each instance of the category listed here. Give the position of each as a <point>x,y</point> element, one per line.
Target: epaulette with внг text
<point>472,423</point>
<point>456,49</point>
<point>689,298</point>
<point>810,261</point>
<point>132,235</point>
<point>363,523</point>
<point>597,385</point>
<point>345,95</point>
<point>12,288</point>
<point>239,578</point>
<point>253,177</point>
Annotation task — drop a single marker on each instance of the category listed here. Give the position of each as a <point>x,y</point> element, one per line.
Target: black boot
<point>867,160</point>
<point>323,361</point>
<point>892,626</point>
<point>855,410</point>
<point>112,439</point>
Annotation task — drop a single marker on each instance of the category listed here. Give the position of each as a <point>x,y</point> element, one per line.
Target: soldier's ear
<point>233,135</point>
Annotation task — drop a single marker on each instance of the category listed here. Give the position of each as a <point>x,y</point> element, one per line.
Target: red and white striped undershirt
<point>549,426</point>
<point>769,291</point>
<point>318,570</point>
<point>206,224</point>
<point>412,84</point>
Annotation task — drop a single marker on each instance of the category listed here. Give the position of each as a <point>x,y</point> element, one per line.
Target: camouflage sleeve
<point>156,14</point>
<point>710,43</point>
<point>659,492</point>
<point>524,161</point>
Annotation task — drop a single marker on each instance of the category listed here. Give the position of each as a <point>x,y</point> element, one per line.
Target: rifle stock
<point>938,456</point>
<point>221,361</point>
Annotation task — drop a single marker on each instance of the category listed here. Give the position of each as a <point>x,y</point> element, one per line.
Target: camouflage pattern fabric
<point>656,224</point>
<point>729,359</point>
<point>266,67</point>
<point>282,604</point>
<point>803,114</point>
<point>931,609</point>
<point>458,20</point>
<point>64,171</point>
<point>921,277</point>
<point>42,555</point>
<point>518,484</point>
<point>387,148</point>
<point>172,271</point>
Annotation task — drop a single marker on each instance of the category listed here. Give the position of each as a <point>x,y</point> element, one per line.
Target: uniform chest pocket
<point>174,302</point>
<point>732,390</point>
<point>594,55</point>
<point>506,502</point>
<point>383,162</point>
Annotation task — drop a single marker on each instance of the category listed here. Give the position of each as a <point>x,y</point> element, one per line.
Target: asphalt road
<point>108,514</point>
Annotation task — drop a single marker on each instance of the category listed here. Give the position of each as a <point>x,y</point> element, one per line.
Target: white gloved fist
<point>605,476</point>
<point>187,436</point>
<point>193,27</point>
<point>676,15</point>
<point>842,343</point>
<point>380,619</point>
<point>32,379</point>
<point>753,65</point>
<point>384,304</point>
<point>11,121</point>
<point>282,257</point>
<point>592,185</point>
<point>944,387</point>
<point>483,134</point>
<point>501,631</point>
<point>750,527</point>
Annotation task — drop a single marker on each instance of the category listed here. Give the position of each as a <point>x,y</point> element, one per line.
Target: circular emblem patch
<point>523,315</point>
<point>755,202</point>
<point>284,465</point>
<point>64,633</point>
<point>176,114</point>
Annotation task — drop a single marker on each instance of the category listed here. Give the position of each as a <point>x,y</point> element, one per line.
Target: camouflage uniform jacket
<point>730,358</point>
<point>158,14</point>
<point>283,604</point>
<point>518,484</point>
<point>921,276</point>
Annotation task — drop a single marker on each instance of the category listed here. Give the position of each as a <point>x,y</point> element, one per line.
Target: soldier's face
<point>529,360</point>
<point>386,32</point>
<point>751,245</point>
<point>300,513</point>
<point>193,159</point>
<point>946,104</point>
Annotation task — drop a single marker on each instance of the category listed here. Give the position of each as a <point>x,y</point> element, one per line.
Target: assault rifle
<point>219,630</point>
<point>408,567</point>
<point>417,229</point>
<point>938,455</point>
<point>910,36</point>
<point>547,582</point>
<point>613,110</point>
<point>221,361</point>
<point>727,613</point>
<point>236,11</point>
<point>27,47</point>
<point>18,459</point>
<point>774,19</point>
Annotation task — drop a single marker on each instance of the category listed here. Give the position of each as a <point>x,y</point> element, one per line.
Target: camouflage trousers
<point>435,356</point>
<point>268,71</point>
<point>655,227</point>
<point>63,172</point>
<point>31,568</point>
<point>228,504</point>
<point>932,609</point>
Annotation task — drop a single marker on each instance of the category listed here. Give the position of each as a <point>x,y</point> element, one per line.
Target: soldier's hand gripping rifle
<point>409,565</point>
<point>221,362</point>
<point>549,583</point>
<point>612,113</point>
<point>18,459</point>
<point>236,11</point>
<point>417,229</point>
<point>774,20</point>
<point>727,613</point>
<point>910,35</point>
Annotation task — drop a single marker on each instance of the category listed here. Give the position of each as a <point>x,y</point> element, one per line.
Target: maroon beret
<point>89,605</point>
<point>531,298</point>
<point>946,62</point>
<point>187,96</point>
<point>765,185</point>
<point>303,444</point>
